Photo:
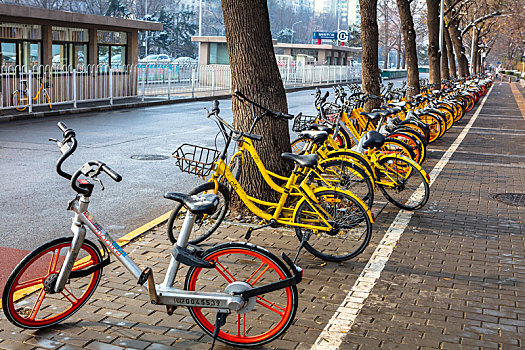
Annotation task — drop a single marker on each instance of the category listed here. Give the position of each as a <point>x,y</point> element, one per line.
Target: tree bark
<point>455,36</point>
<point>433,43</point>
<point>369,53</point>
<point>450,52</point>
<point>445,72</point>
<point>409,37</point>
<point>255,73</point>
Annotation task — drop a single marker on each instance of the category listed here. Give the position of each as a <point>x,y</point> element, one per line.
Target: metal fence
<point>21,86</point>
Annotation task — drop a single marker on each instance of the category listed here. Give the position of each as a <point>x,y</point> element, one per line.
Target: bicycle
<point>317,213</point>
<point>55,280</point>
<point>20,98</point>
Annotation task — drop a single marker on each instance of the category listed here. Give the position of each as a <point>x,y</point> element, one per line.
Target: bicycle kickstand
<point>219,322</point>
<point>248,234</point>
<point>304,239</point>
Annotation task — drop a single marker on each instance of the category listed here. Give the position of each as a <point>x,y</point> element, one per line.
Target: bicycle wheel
<point>266,316</point>
<point>28,299</point>
<point>298,144</point>
<point>48,101</point>
<point>434,124</point>
<point>402,183</point>
<point>349,176</point>
<point>205,224</point>
<point>410,141</point>
<point>352,226</point>
<point>18,98</point>
<point>394,146</point>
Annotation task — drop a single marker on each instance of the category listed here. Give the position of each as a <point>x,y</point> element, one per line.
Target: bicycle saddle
<point>315,136</point>
<point>324,128</point>
<point>197,204</point>
<point>400,104</point>
<point>309,160</point>
<point>374,140</point>
<point>373,115</point>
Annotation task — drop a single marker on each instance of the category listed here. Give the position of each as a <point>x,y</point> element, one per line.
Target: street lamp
<point>292,28</point>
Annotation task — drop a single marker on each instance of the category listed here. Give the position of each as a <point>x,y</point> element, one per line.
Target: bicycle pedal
<point>190,257</point>
<point>144,276</point>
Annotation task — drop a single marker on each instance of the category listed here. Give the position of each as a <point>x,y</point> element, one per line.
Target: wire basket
<point>302,122</point>
<point>196,160</point>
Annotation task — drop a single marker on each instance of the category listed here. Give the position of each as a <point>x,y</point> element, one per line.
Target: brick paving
<point>455,279</point>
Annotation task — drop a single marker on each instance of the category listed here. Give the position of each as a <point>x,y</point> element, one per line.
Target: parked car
<point>162,58</point>
<point>185,60</point>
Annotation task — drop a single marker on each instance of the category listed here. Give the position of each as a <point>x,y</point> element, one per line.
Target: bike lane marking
<point>341,322</point>
<point>519,99</point>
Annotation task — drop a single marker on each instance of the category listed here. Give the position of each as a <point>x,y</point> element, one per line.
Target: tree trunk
<point>369,54</point>
<point>450,52</point>
<point>445,73</point>
<point>474,52</point>
<point>387,49</point>
<point>433,43</point>
<point>455,36</point>
<point>403,60</point>
<point>255,73</point>
<point>409,36</point>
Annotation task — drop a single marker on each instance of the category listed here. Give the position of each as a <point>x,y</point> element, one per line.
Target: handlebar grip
<point>285,116</point>
<point>112,173</point>
<point>62,127</point>
<point>252,136</point>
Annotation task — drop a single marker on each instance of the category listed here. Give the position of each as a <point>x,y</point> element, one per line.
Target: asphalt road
<point>33,198</point>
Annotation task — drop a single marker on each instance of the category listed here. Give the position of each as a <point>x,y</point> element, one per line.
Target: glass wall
<point>70,47</point>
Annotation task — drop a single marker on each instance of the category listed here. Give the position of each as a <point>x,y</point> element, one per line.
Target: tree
<point>117,9</point>
<point>433,43</point>
<point>255,73</point>
<point>409,36</point>
<point>369,53</point>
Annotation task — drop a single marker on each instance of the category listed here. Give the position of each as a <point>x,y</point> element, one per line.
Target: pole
<point>441,26</point>
<point>338,19</point>
<point>200,32</point>
<point>472,50</point>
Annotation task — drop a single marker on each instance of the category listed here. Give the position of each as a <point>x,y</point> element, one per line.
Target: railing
<point>20,86</point>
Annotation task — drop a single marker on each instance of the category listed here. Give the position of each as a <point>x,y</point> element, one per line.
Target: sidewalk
<point>455,278</point>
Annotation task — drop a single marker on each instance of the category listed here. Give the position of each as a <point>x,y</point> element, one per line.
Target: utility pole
<point>200,33</point>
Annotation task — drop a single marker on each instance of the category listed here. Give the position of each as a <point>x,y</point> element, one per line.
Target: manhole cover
<point>517,199</point>
<point>149,157</point>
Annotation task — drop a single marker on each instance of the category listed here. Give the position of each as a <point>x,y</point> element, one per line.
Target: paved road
<point>33,197</point>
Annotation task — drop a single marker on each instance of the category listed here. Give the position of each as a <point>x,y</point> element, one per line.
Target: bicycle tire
<point>410,141</point>
<point>324,245</point>
<point>349,176</point>
<point>31,266</point>
<point>243,261</point>
<point>396,169</point>
<point>16,99</point>
<point>398,147</point>
<point>200,230</point>
<point>434,124</point>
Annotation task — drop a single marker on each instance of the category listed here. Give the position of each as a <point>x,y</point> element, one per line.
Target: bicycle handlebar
<point>68,145</point>
<point>215,112</point>
<point>278,115</point>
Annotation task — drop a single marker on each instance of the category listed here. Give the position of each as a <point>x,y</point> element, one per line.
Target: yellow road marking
<point>519,98</point>
<point>122,241</point>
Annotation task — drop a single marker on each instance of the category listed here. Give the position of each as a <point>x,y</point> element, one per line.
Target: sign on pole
<point>325,35</point>
<point>342,35</point>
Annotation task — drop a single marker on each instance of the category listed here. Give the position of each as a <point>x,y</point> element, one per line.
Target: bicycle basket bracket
<point>196,160</point>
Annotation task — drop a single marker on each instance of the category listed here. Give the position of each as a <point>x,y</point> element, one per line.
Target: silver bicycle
<point>238,293</point>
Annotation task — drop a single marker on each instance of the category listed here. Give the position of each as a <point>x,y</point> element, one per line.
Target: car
<point>162,58</point>
<point>185,60</point>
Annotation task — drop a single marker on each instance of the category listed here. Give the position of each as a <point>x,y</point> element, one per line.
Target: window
<point>20,45</point>
<point>219,53</point>
<point>112,48</point>
<point>59,56</point>
<point>69,47</point>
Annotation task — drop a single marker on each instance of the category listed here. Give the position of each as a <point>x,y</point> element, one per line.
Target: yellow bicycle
<point>331,223</point>
<point>20,98</point>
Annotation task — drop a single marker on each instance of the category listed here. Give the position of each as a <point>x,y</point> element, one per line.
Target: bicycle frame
<point>163,294</point>
<point>302,191</point>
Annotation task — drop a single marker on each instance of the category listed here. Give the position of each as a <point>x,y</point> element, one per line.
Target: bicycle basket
<point>302,122</point>
<point>196,160</point>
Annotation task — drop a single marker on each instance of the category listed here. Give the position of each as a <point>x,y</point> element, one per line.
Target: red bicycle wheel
<point>28,299</point>
<point>269,315</point>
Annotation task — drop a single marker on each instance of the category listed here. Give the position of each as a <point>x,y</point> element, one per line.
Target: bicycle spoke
<point>270,305</point>
<point>30,283</point>
<point>37,305</point>
<point>54,260</point>
<point>69,296</point>
<point>224,272</point>
<point>260,275</point>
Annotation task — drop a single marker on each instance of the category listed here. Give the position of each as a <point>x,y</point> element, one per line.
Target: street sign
<point>342,35</point>
<point>325,35</point>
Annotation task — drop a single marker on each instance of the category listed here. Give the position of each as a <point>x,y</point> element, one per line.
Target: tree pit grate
<point>149,157</point>
<point>516,199</point>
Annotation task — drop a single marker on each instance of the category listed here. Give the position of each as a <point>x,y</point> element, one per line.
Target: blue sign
<point>325,35</point>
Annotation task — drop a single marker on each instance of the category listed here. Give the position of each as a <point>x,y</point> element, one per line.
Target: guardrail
<point>20,86</point>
